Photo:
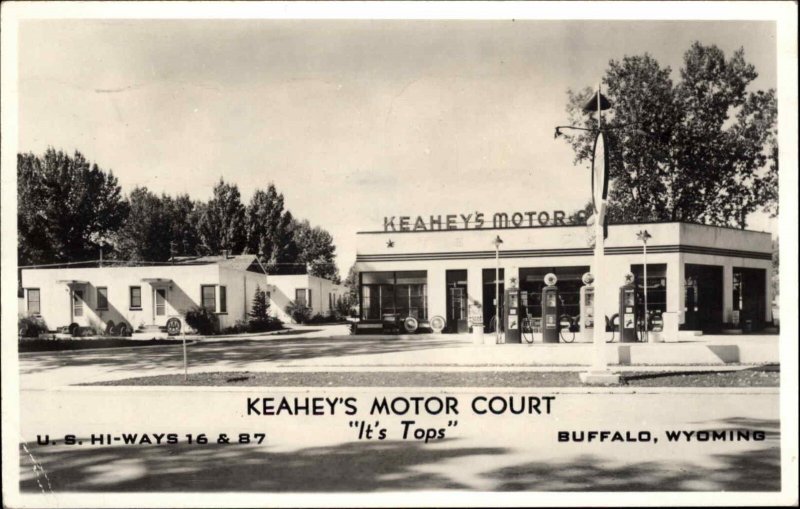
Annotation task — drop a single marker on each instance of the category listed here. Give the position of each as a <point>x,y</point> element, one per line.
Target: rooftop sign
<point>477,221</point>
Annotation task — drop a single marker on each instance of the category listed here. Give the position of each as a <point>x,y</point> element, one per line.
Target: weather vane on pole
<point>599,373</point>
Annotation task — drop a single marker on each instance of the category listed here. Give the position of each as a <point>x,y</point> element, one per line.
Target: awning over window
<point>157,280</point>
<point>72,282</point>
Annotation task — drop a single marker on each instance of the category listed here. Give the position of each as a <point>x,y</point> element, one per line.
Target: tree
<point>316,250</point>
<point>67,208</point>
<point>269,230</point>
<point>581,215</point>
<point>260,308</point>
<point>146,233</point>
<point>351,283</point>
<point>776,268</point>
<point>694,151</point>
<point>221,221</point>
<point>185,238</point>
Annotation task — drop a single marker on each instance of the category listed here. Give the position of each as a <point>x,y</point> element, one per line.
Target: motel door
<point>703,297</point>
<point>457,308</point>
<point>749,296</point>
<point>160,306</point>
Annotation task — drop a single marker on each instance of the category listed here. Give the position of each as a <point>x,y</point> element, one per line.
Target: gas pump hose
<point>571,322</point>
<point>610,324</point>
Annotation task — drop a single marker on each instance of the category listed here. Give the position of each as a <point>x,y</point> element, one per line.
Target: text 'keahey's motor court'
<point>401,405</point>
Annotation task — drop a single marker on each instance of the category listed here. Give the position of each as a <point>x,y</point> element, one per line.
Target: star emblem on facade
<point>390,243</point>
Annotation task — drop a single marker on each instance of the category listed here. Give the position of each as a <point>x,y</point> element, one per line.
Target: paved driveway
<point>309,348</point>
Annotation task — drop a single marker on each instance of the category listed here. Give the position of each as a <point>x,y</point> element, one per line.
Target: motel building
<point>143,297</point>
<point>440,270</point>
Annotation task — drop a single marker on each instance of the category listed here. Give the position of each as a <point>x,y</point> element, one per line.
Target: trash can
<point>477,334</point>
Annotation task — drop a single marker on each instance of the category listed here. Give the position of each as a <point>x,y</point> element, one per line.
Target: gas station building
<point>704,278</point>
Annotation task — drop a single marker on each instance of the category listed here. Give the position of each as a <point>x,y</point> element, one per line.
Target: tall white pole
<point>598,336</point>
<point>599,374</point>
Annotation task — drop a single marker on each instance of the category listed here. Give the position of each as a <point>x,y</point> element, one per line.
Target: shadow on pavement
<point>235,353</point>
<point>345,467</point>
<point>394,465</point>
<point>754,470</point>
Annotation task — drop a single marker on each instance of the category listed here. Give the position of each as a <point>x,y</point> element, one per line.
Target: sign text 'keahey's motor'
<point>478,220</point>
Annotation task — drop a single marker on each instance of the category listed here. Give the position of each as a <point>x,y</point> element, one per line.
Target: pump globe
<point>550,279</point>
<point>629,278</point>
<point>588,278</point>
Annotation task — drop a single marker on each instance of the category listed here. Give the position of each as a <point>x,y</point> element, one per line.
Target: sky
<point>351,120</point>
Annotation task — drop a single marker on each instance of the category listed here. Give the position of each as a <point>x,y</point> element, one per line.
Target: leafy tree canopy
<point>702,150</point>
<point>316,250</point>
<point>221,224</point>
<point>269,229</point>
<point>67,208</point>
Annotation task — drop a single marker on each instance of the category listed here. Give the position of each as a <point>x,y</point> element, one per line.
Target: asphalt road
<point>482,452</point>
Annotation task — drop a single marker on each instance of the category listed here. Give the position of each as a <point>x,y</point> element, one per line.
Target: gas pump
<point>628,311</point>
<point>587,308</point>
<point>514,313</point>
<point>551,309</point>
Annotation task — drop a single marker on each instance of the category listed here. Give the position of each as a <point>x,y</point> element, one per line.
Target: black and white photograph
<point>276,254</point>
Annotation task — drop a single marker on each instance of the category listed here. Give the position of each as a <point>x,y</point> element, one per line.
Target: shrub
<point>202,320</point>
<point>267,324</point>
<point>237,328</point>
<point>346,306</point>
<point>31,326</point>
<point>300,313</point>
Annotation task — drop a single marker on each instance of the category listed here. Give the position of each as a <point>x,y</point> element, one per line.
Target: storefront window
<point>404,293</point>
<point>656,286</point>
<point>569,287</point>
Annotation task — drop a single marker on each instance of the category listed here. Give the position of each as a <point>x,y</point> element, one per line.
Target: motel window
<point>208,297</point>
<point>223,299</point>
<point>34,301</point>
<point>300,297</point>
<point>404,293</point>
<point>656,286</point>
<point>77,303</point>
<point>102,298</point>
<point>136,297</point>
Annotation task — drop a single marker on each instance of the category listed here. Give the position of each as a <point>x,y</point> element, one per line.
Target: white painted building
<point>148,295</point>
<point>319,294</point>
<point>708,277</point>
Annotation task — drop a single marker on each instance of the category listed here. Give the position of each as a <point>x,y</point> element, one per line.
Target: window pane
<point>136,297</point>
<point>381,296</point>
<point>656,286</point>
<point>33,301</point>
<point>209,298</point>
<point>223,299</point>
<point>300,297</point>
<point>102,297</point>
<point>77,303</point>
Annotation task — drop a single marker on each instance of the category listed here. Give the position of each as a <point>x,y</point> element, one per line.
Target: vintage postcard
<point>393,254</point>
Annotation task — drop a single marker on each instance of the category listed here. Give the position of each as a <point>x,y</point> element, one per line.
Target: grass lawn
<point>54,345</point>
<point>763,376</point>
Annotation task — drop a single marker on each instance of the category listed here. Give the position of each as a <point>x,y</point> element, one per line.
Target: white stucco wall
<point>283,287</point>
<point>183,291</point>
